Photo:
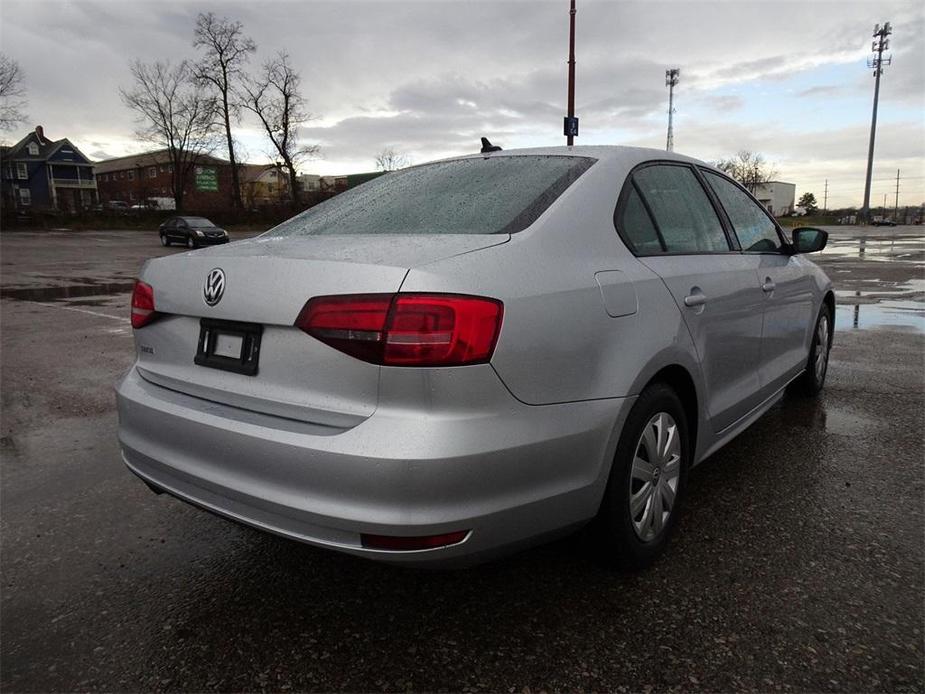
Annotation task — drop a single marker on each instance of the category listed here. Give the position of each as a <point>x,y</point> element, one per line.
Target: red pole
<point>571,68</point>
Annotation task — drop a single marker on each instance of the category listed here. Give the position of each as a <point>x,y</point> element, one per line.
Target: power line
<point>880,44</point>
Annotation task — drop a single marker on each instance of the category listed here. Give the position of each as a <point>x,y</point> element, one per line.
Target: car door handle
<point>695,299</point>
<point>768,286</point>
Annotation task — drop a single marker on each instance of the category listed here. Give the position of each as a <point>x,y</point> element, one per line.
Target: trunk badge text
<point>214,287</point>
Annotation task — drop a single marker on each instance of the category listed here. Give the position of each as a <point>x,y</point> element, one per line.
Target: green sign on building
<point>206,179</point>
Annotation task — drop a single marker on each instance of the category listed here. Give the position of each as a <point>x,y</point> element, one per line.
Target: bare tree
<point>12,93</point>
<point>274,97</point>
<point>390,160</point>
<point>748,168</point>
<point>226,50</point>
<point>175,114</point>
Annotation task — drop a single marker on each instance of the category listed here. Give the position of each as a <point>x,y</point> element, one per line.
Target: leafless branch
<point>390,160</point>
<point>225,51</point>
<point>173,113</point>
<point>12,93</point>
<point>274,96</point>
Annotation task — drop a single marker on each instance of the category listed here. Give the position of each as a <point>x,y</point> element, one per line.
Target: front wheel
<point>164,240</point>
<point>646,485</point>
<point>190,243</point>
<point>817,365</point>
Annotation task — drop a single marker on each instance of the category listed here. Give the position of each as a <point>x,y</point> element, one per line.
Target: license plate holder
<point>219,340</point>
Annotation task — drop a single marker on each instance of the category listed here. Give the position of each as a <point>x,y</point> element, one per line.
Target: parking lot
<point>799,563</point>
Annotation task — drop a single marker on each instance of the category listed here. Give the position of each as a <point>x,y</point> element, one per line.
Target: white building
<point>310,183</point>
<point>777,196</point>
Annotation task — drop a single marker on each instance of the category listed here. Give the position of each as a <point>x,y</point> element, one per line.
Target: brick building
<point>143,178</point>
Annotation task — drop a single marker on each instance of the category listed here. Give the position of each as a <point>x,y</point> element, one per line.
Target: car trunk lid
<point>267,282</point>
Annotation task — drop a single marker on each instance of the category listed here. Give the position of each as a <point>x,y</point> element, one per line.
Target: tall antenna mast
<point>570,126</point>
<point>671,80</point>
<point>880,44</point>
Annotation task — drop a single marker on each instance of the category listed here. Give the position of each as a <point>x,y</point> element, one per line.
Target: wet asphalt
<point>798,564</point>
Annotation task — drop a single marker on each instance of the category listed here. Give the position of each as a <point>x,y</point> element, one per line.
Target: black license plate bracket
<point>217,341</point>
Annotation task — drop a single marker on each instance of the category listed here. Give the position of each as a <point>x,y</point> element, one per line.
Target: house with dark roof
<point>38,173</point>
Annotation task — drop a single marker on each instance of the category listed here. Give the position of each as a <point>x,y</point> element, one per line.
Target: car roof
<point>629,156</point>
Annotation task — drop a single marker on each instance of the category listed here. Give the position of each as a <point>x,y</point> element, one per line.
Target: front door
<point>786,286</point>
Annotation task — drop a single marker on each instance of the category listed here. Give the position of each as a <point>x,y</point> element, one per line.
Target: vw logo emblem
<point>214,287</point>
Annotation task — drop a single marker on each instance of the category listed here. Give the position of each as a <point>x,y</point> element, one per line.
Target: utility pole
<point>880,44</point>
<point>671,81</point>
<point>896,202</point>
<point>825,197</point>
<point>570,125</point>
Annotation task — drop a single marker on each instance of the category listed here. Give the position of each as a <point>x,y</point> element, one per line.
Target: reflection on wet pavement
<point>887,313</point>
<point>865,302</point>
<point>67,292</point>
<point>910,249</point>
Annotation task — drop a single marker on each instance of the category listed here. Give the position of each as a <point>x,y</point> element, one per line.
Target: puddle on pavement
<point>905,249</point>
<point>74,291</point>
<point>888,313</point>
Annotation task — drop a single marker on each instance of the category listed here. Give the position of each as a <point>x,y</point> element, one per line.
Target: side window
<point>683,214</point>
<point>755,230</point>
<point>637,226</point>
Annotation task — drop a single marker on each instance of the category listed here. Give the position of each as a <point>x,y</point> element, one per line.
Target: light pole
<point>671,81</point>
<point>880,44</point>
<point>570,124</point>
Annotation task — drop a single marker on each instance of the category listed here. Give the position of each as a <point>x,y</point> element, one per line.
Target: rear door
<point>671,223</point>
<point>788,289</point>
<point>170,228</point>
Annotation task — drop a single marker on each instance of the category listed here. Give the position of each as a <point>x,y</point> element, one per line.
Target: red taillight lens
<point>397,543</point>
<point>142,304</point>
<point>406,329</point>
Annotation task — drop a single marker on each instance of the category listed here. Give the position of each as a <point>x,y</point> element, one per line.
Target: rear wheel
<point>646,485</point>
<point>811,382</point>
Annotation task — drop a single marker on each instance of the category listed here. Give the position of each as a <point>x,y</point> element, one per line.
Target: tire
<point>812,380</point>
<point>164,240</point>
<point>191,242</point>
<point>625,536</point>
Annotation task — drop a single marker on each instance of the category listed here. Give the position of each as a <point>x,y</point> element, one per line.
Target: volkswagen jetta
<point>464,357</point>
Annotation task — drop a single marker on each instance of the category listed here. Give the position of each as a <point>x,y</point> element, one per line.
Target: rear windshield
<point>198,222</point>
<point>491,195</point>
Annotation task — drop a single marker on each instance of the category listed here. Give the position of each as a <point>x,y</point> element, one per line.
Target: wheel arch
<point>679,379</point>
<point>829,300</point>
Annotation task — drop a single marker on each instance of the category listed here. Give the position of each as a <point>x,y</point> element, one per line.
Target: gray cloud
<point>430,78</point>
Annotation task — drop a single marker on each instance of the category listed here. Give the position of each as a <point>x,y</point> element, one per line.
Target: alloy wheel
<point>822,347</point>
<point>655,475</point>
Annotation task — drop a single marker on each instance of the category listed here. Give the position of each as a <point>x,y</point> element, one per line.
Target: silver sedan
<point>465,357</point>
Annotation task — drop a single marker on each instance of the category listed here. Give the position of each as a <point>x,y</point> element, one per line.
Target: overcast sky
<point>428,78</point>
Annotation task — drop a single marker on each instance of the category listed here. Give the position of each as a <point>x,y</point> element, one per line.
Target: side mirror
<point>809,240</point>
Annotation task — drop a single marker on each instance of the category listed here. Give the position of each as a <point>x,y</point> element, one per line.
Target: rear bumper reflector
<point>409,544</point>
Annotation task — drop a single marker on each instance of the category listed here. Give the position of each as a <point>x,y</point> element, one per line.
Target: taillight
<point>406,329</point>
<point>142,304</point>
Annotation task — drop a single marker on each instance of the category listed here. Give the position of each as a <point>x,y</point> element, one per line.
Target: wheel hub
<point>654,476</point>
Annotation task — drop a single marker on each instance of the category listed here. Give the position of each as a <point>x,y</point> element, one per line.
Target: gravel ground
<point>798,564</point>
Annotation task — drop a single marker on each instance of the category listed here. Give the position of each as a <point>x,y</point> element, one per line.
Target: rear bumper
<point>508,476</point>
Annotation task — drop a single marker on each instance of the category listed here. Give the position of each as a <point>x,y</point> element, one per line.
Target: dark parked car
<point>192,231</point>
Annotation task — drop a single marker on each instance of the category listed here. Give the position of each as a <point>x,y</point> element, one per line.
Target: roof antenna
<point>488,147</point>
